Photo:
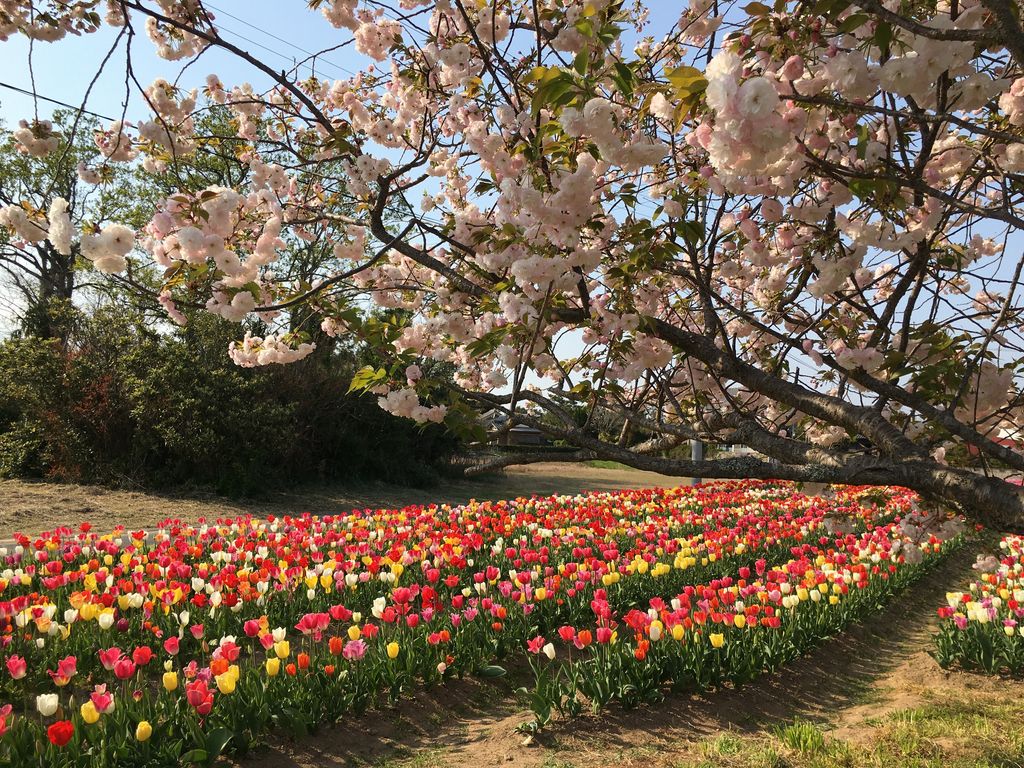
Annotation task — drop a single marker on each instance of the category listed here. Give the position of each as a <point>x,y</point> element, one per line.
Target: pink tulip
<point>109,657</point>
<point>103,701</point>
<point>17,667</point>
<point>354,650</point>
<point>66,669</point>
<point>124,668</point>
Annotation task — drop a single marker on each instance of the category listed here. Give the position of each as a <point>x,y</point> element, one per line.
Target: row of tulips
<point>730,630</point>
<point>982,628</point>
<point>169,646</point>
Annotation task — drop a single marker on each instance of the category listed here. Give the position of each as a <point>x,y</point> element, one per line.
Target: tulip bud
<point>143,730</point>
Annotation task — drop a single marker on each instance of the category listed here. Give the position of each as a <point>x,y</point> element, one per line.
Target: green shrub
<point>122,404</point>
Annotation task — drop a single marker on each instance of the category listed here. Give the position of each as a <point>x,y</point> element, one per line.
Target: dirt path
<point>31,507</point>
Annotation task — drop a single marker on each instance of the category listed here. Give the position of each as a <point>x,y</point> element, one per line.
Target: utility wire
<point>54,101</point>
<point>280,40</point>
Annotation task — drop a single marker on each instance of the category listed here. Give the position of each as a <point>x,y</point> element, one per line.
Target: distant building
<point>520,434</point>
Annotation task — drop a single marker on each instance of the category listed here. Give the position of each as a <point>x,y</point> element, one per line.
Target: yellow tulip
<point>717,639</point>
<point>89,712</point>
<point>678,632</point>
<point>282,649</point>
<point>273,667</point>
<point>170,681</point>
<point>353,632</point>
<point>539,593</point>
<point>143,730</point>
<point>740,621</point>
<point>226,682</point>
<point>392,650</point>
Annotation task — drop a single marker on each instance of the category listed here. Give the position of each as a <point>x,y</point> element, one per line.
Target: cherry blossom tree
<point>794,226</point>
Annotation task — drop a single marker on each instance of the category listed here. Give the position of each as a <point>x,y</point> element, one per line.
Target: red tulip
<point>124,668</point>
<point>60,733</point>
<point>199,696</point>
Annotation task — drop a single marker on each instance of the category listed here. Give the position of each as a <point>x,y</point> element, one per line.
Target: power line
<point>54,101</point>
<point>267,48</point>
<point>279,39</point>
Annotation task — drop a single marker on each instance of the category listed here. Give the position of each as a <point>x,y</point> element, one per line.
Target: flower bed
<point>983,627</point>
<point>170,646</point>
<point>730,629</point>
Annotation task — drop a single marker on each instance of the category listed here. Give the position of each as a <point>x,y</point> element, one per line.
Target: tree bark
<point>988,500</point>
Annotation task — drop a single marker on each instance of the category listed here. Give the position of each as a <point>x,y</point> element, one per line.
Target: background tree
<point>40,163</point>
<point>98,385</point>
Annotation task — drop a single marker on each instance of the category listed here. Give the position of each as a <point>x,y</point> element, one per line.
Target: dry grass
<point>31,507</point>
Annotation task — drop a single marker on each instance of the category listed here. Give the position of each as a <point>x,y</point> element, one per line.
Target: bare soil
<point>31,507</point>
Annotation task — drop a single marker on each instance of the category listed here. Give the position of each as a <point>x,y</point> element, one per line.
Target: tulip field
<point>175,645</point>
<point>983,628</point>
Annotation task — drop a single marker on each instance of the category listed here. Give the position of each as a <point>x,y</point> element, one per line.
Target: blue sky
<point>63,70</point>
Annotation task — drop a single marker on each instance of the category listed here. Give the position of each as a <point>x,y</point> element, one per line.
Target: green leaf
<point>582,61</point>
<point>686,81</point>
<point>216,741</point>
<point>493,670</point>
<point>756,9</point>
<point>853,21</point>
<point>624,79</point>
<point>195,757</point>
<point>367,377</point>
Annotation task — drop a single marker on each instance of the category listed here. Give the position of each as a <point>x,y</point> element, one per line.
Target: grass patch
<point>602,464</point>
<point>722,746</point>
<point>958,730</point>
<point>803,737</point>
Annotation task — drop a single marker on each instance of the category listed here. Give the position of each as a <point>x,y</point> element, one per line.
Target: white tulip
<point>47,703</point>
